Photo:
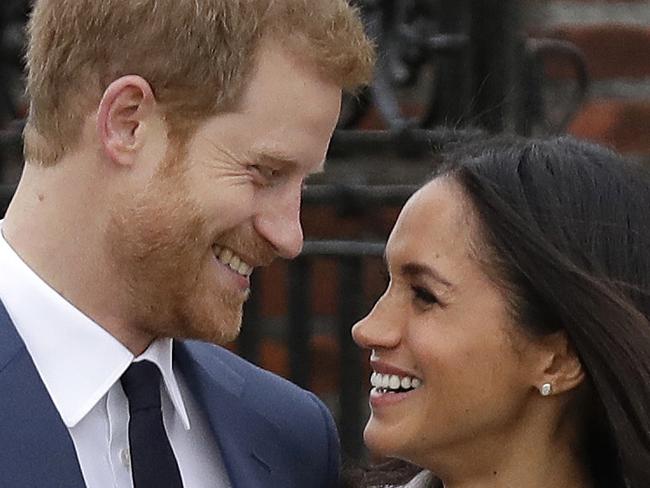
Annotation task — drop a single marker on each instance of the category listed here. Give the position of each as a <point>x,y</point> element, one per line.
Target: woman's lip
<point>378,400</point>
<point>385,368</point>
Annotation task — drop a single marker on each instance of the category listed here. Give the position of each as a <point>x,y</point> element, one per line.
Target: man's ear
<point>124,110</point>
<point>560,367</point>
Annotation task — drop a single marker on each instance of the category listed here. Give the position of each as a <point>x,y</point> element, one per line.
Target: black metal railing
<point>477,67</point>
<point>350,257</point>
<point>351,307</point>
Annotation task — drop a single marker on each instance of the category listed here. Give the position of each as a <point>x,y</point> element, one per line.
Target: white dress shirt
<point>80,364</point>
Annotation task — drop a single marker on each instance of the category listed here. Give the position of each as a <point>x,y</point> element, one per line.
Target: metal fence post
<point>299,322</point>
<point>350,310</point>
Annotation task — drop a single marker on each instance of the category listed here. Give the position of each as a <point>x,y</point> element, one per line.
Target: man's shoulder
<point>298,414</point>
<point>297,424</point>
<point>270,392</point>
<point>215,358</point>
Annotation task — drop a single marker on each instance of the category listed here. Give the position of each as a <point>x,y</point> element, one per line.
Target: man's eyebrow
<point>277,158</point>
<point>414,270</point>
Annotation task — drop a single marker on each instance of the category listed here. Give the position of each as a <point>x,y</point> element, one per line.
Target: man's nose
<point>279,223</point>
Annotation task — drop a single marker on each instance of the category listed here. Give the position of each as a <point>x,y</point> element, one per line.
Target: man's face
<point>229,202</point>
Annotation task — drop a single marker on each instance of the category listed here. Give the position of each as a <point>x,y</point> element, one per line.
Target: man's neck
<point>53,227</point>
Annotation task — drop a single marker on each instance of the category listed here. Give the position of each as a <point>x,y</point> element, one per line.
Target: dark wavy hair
<point>565,231</point>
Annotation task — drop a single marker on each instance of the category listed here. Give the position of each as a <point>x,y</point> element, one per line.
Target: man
<point>166,147</point>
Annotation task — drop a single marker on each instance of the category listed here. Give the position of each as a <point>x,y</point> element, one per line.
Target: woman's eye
<point>423,295</point>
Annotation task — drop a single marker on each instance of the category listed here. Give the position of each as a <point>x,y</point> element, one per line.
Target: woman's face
<point>443,324</point>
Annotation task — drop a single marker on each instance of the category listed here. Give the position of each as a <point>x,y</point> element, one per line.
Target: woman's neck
<point>524,476</point>
<point>531,458</point>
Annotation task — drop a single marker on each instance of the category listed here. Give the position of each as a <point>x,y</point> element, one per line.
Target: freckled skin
<point>220,191</point>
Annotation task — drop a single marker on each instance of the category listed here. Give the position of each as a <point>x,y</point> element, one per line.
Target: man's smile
<point>227,257</point>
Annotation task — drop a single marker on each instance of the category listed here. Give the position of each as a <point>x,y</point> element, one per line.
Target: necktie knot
<point>141,384</point>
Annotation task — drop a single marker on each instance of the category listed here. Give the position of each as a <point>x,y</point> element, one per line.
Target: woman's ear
<point>560,367</point>
<point>125,107</point>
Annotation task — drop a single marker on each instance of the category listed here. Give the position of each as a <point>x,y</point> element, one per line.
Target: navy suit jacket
<point>271,434</point>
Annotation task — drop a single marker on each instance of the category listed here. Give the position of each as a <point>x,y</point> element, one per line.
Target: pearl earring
<point>546,389</point>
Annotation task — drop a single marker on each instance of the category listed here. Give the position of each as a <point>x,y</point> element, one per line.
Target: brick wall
<point>615,39</point>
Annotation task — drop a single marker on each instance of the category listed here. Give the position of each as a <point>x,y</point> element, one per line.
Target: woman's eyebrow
<point>415,270</point>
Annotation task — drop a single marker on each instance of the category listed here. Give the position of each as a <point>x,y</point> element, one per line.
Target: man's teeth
<point>392,382</point>
<point>230,259</point>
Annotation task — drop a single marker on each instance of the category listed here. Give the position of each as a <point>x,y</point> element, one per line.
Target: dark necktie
<point>153,464</point>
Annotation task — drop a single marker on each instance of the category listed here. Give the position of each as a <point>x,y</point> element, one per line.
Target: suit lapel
<point>37,449</point>
<point>247,441</point>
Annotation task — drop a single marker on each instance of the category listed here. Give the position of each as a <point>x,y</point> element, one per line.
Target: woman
<point>512,345</point>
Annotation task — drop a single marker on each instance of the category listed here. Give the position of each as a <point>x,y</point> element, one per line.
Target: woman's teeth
<point>234,262</point>
<point>385,383</point>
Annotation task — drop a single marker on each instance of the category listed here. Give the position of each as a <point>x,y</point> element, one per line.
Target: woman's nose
<point>378,330</point>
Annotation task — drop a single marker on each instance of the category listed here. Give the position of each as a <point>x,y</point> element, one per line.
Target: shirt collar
<point>76,358</point>
<point>160,353</point>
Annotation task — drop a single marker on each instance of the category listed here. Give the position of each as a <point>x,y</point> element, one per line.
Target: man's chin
<point>219,332</point>
<point>227,336</point>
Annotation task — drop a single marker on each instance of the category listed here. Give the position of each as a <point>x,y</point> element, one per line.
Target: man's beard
<point>161,247</point>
